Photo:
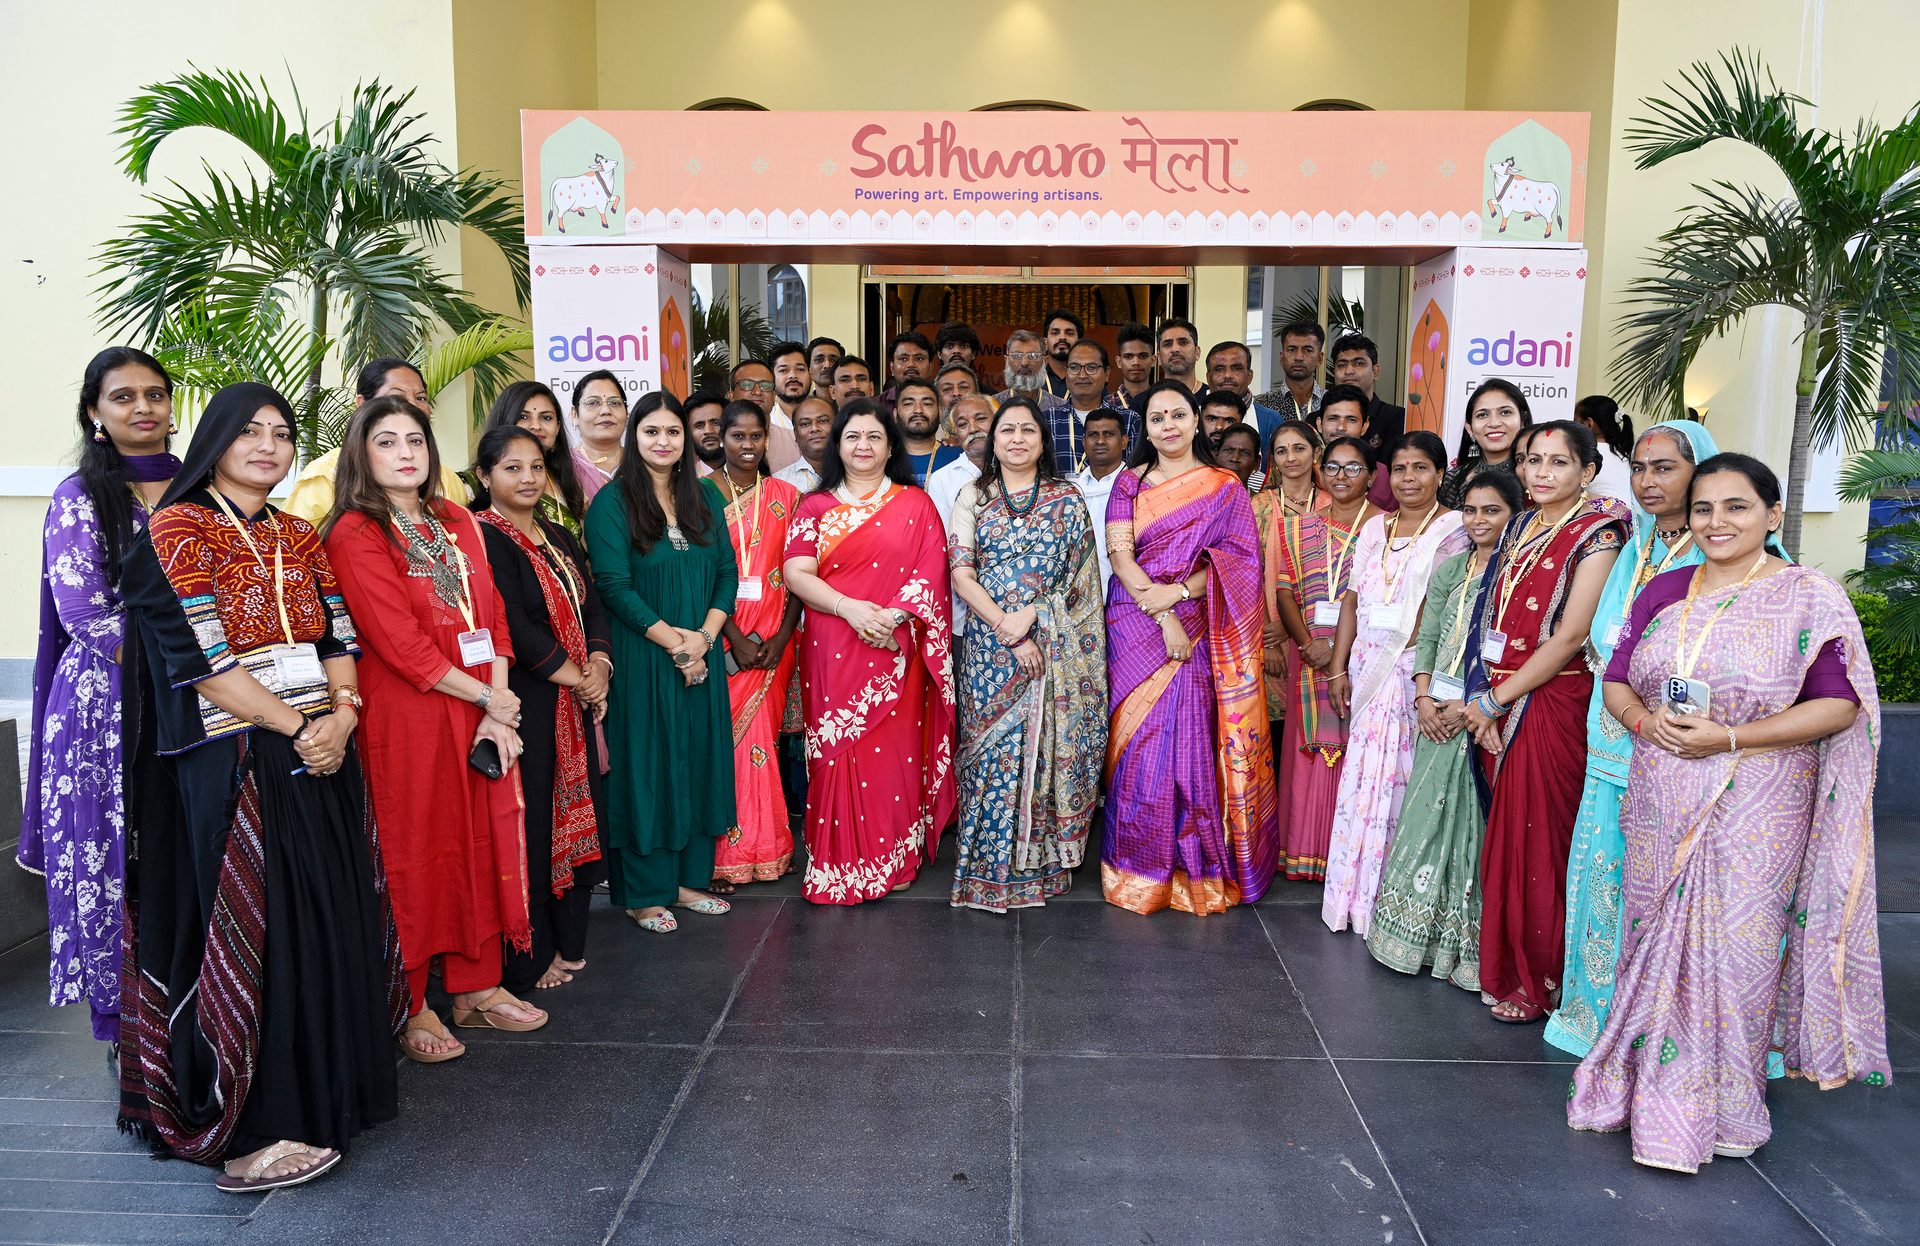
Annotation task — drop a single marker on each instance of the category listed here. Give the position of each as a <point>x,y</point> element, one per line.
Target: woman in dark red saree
<point>867,555</point>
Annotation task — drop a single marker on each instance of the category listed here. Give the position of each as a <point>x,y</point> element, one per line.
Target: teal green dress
<point>669,746</point>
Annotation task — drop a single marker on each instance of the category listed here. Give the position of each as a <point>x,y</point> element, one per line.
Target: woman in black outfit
<point>560,672</point>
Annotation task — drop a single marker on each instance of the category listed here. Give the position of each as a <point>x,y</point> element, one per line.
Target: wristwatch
<point>347,694</point>
<point>1186,594</point>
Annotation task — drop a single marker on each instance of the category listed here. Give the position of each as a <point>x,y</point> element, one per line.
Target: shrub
<point>1897,668</point>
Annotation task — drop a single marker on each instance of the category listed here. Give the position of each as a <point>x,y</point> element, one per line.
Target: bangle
<point>838,602</point>
<point>1337,675</point>
<point>707,636</point>
<point>1424,696</point>
<point>601,657</point>
<point>1733,743</point>
<point>485,698</point>
<point>348,694</point>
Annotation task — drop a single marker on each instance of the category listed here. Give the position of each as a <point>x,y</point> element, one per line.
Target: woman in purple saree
<point>1749,823</point>
<point>1191,812</point>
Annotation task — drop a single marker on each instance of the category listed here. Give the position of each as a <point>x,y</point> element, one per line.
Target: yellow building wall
<point>68,69</point>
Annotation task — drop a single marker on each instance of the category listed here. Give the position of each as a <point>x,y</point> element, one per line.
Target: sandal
<point>482,1016</point>
<point>708,905</point>
<point>427,1022</point>
<point>1517,1013</point>
<point>662,922</point>
<point>252,1178</point>
<point>722,887</point>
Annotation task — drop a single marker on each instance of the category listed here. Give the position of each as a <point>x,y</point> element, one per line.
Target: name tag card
<point>297,666</point>
<point>1446,688</point>
<point>1384,618</point>
<point>1326,614</point>
<point>1611,636</point>
<point>1493,646</point>
<point>476,647</point>
<point>752,588</point>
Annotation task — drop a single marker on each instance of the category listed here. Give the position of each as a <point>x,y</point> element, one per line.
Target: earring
<point>99,431</point>
<point>172,427</point>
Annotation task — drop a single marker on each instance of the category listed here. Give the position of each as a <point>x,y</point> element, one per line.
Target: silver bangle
<point>485,698</point>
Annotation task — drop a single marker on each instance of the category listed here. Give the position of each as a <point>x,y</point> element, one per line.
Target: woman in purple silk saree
<point>1191,812</point>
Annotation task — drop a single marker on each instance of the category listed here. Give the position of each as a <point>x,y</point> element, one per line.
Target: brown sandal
<point>428,1022</point>
<point>483,1018</point>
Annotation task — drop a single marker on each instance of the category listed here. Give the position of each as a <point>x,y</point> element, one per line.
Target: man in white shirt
<point>971,414</point>
<point>812,429</point>
<point>792,381</point>
<point>1104,451</point>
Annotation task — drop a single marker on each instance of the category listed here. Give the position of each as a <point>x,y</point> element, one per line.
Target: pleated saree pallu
<point>1191,812</point>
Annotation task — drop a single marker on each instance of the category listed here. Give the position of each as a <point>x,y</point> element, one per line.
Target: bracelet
<point>348,694</point>
<point>1639,723</point>
<point>300,733</point>
<point>485,698</point>
<point>707,636</point>
<point>601,657</point>
<point>1424,697</point>
<point>1186,594</point>
<point>1733,742</point>
<point>1337,675</point>
<point>839,602</point>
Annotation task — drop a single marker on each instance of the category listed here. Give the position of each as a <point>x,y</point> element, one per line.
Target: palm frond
<point>488,343</point>
<point>225,101</point>
<point>1872,472</point>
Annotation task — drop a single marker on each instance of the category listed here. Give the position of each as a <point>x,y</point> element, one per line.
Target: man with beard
<point>909,358</point>
<point>1106,452</point>
<point>823,355</point>
<point>916,407</point>
<point>792,378</point>
<point>1220,410</point>
<point>812,428</point>
<point>703,429</point>
<point>1133,366</point>
<point>1356,361</point>
<point>852,378</point>
<point>1026,359</point>
<point>1300,353</point>
<point>956,343</point>
<point>1230,367</point>
<point>1178,348</point>
<point>971,416</point>
<point>1062,329</point>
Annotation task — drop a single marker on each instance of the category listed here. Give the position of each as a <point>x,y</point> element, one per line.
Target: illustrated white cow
<point>1514,193</point>
<point>590,190</point>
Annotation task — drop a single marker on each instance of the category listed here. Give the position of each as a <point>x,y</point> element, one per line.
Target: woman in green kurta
<point>1428,909</point>
<point>667,577</point>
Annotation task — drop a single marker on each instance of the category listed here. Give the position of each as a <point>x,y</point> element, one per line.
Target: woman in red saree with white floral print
<point>868,557</point>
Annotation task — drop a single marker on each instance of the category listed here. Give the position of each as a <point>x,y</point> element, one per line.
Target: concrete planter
<point>1897,793</point>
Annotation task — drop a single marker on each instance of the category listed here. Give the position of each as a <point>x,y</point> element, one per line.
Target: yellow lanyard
<point>1388,579</point>
<point>1516,571</point>
<point>1686,659</point>
<point>1644,570</point>
<point>748,539</point>
<point>279,565</point>
<point>1337,563</point>
<point>1460,611</point>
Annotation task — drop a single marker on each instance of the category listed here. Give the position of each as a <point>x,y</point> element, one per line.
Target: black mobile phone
<point>485,758</point>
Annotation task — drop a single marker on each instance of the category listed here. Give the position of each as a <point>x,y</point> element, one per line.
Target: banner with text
<point>623,309</point>
<point>1284,179</point>
<point>1482,312</point>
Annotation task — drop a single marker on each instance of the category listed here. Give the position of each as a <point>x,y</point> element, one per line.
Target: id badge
<point>296,666</point>
<point>476,647</point>
<point>752,588</point>
<point>1326,614</point>
<point>1611,637</point>
<point>1446,688</point>
<point>1384,618</point>
<point>1689,696</point>
<point>1493,647</point>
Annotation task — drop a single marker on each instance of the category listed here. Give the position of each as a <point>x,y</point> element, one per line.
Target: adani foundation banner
<point>619,308</point>
<point>1482,312</point>
<point>1152,179</point>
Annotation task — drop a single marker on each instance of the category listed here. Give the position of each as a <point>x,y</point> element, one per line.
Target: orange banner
<point>1292,179</point>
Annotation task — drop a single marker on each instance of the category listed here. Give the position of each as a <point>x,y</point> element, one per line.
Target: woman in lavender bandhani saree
<point>1191,812</point>
<point>1727,856</point>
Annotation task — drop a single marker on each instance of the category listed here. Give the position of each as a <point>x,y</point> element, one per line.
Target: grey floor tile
<point>1165,1149</point>
<point>138,1228</point>
<point>847,1146</point>
<point>1846,1157</point>
<point>1896,849</point>
<point>889,973</point>
<point>1098,978</point>
<point>648,1223</point>
<point>23,993</point>
<point>1364,1009</point>
<point>516,1144</point>
<point>1900,966</point>
<point>1483,1155</point>
<point>191,1192</point>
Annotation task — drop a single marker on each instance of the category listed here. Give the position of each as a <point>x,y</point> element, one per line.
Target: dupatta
<point>1373,563</point>
<point>1312,550</point>
<point>757,523</point>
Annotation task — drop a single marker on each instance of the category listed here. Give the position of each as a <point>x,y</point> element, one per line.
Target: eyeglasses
<point>1345,469</point>
<point>604,404</point>
<point>748,387</point>
<point>1024,356</point>
<point>1086,369</point>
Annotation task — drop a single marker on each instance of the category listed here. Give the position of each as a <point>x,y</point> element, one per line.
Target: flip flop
<point>482,1017</point>
<point>428,1022</point>
<point>250,1181</point>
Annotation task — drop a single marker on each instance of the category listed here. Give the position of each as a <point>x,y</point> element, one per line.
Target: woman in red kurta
<point>434,677</point>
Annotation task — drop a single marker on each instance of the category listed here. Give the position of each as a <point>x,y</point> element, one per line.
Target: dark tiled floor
<point>906,1072</point>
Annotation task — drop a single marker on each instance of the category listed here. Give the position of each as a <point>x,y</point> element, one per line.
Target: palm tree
<point>324,243</point>
<point>1894,475</point>
<point>707,333</point>
<point>1841,248</point>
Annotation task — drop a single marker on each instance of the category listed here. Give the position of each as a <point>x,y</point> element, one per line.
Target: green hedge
<point>1898,671</point>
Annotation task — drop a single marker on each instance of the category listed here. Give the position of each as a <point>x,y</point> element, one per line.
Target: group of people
<point>1606,765</point>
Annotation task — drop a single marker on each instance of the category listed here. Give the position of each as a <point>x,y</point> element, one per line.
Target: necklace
<point>1018,509</point>
<point>1517,569</point>
<point>844,491</point>
<point>1287,504</point>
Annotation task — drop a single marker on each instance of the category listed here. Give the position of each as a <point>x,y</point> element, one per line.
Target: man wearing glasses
<point>1026,361</point>
<point>1087,366</point>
